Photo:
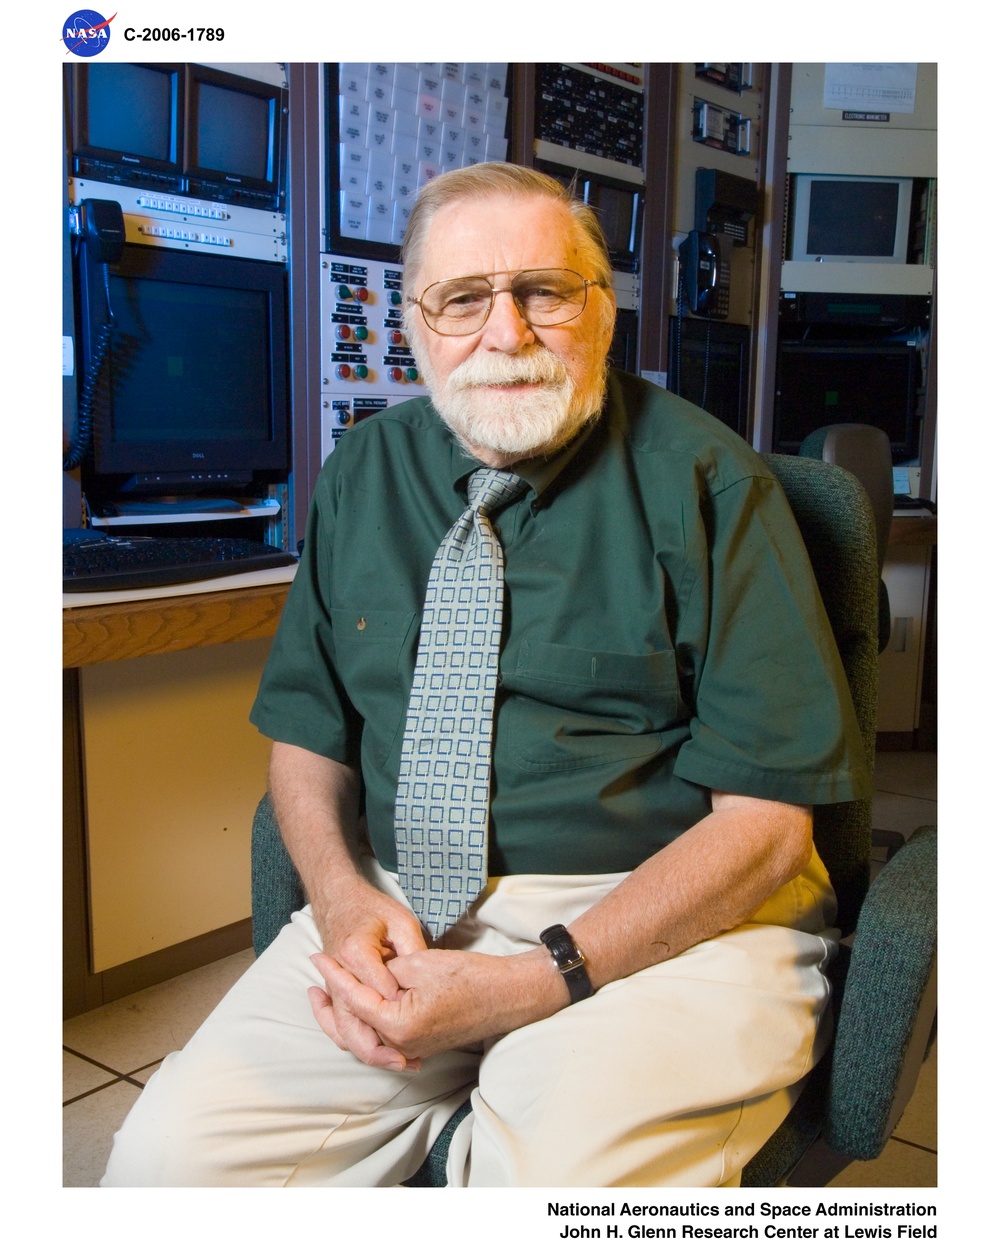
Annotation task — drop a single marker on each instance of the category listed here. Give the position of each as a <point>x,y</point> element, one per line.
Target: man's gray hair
<point>484,182</point>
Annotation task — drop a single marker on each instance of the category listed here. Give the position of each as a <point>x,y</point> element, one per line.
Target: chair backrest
<point>834,514</point>
<point>863,450</point>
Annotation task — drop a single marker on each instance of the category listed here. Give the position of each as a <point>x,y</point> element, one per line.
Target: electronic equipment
<point>95,561</point>
<point>180,129</point>
<point>193,394</point>
<point>724,204</point>
<point>102,226</point>
<point>710,367</point>
<point>854,308</point>
<point>390,129</point>
<point>827,383</point>
<point>367,361</point>
<point>597,109</point>
<point>847,218</point>
<point>704,276</point>
<point>617,203</point>
<point>127,124</point>
<point>733,75</point>
<point>721,128</point>
<point>235,138</point>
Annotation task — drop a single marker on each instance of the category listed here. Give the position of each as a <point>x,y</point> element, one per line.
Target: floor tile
<point>141,1029</point>
<point>913,773</point>
<point>918,1123</point>
<point>79,1076</point>
<point>898,1167</point>
<point>89,1126</point>
<point>904,814</point>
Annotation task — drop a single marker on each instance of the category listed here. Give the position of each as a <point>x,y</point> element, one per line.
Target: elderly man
<point>545,762</point>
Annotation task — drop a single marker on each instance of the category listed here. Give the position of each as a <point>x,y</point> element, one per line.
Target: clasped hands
<point>391,1000</point>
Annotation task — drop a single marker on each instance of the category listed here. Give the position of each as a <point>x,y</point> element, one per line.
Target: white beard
<point>481,414</point>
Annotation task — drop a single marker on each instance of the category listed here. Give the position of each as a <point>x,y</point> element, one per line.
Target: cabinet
<point>907,576</point>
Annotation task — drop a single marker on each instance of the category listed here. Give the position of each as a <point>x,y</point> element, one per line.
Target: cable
<point>85,405</point>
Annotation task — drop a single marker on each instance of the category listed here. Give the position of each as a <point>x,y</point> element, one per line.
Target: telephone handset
<point>704,276</point>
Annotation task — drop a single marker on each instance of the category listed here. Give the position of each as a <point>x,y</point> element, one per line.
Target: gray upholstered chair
<point>884,979</point>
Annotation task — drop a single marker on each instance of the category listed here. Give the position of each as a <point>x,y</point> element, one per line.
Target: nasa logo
<point>86,33</point>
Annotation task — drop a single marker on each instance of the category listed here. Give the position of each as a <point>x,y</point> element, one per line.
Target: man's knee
<point>158,1145</point>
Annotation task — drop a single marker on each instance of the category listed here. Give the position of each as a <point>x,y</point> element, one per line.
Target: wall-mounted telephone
<point>704,276</point>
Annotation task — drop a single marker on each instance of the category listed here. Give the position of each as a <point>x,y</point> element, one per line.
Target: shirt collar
<point>540,472</point>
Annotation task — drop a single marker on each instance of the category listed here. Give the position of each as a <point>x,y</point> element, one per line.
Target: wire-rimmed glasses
<point>544,297</point>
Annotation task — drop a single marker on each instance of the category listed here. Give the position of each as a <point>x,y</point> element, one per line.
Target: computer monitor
<point>844,218</point>
<point>191,395</point>
<point>126,123</point>
<point>234,138</point>
<point>822,384</point>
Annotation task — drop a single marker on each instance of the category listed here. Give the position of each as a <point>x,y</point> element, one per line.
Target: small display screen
<point>233,131</point>
<point>852,218</point>
<point>615,210</point>
<point>130,109</point>
<point>167,388</point>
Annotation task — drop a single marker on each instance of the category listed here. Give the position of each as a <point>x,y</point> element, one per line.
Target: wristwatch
<point>569,960</point>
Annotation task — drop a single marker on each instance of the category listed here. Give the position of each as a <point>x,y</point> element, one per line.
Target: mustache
<point>538,366</point>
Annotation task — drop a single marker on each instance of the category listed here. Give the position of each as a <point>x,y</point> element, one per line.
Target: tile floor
<point>109,1054</point>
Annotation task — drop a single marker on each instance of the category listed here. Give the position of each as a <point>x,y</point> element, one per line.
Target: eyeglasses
<point>543,297</point>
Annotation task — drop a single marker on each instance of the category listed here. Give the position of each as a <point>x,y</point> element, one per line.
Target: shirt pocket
<point>372,652</point>
<point>571,707</point>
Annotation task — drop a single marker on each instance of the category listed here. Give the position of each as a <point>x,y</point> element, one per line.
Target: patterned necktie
<point>442,803</point>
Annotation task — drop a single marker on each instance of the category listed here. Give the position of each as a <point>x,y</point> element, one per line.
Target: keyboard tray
<point>93,561</point>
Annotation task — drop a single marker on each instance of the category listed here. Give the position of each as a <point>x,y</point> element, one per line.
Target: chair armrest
<point>889,1002</point>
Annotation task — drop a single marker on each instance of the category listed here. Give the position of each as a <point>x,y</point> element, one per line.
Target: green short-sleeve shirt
<point>664,636</point>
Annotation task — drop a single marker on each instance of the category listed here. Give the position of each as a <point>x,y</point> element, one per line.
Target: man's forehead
<point>472,231</point>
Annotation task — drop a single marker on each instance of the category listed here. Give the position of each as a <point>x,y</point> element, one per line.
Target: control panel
<point>367,362</point>
<point>156,219</point>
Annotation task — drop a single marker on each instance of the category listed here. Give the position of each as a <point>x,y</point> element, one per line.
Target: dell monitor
<point>189,385</point>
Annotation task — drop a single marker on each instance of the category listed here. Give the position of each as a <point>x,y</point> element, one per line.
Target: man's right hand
<point>316,802</point>
<point>362,930</point>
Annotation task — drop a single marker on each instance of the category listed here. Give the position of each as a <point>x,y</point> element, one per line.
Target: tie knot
<point>491,489</point>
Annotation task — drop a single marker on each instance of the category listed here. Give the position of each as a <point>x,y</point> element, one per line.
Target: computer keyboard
<point>96,561</point>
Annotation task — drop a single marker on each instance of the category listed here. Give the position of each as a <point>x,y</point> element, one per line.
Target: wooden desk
<point>121,631</point>
<point>913,531</point>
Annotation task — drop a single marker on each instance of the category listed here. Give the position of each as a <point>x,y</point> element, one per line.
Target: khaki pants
<point>673,1076</point>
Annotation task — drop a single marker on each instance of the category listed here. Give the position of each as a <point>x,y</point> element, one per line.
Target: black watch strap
<point>569,960</point>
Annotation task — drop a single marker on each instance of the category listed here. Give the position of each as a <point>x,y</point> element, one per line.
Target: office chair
<point>864,450</point>
<point>883,980</point>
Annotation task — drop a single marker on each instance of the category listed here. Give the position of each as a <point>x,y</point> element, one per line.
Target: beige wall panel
<point>174,771</point>
<point>807,100</point>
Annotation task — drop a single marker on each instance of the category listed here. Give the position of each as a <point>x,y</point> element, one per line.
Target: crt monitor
<point>234,138</point>
<point>126,123</point>
<point>822,384</point>
<point>851,218</point>
<point>191,393</point>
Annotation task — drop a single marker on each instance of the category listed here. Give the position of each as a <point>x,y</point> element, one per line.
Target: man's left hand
<point>447,999</point>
